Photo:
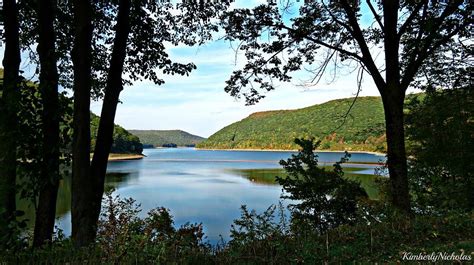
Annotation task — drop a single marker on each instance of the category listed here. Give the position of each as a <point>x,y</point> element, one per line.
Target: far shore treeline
<point>163,138</point>
<point>362,130</point>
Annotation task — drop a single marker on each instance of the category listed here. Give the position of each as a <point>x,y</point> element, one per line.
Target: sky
<point>198,103</point>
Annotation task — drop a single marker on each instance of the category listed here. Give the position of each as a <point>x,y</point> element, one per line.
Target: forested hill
<point>124,141</point>
<point>362,129</point>
<point>159,138</point>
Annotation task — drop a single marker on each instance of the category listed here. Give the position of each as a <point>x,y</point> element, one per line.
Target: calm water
<point>201,186</point>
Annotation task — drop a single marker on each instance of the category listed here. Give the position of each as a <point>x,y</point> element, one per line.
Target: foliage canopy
<point>439,133</point>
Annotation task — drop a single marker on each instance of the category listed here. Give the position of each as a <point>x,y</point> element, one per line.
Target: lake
<point>208,187</point>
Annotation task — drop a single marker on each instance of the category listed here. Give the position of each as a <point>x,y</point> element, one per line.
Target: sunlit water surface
<point>208,187</point>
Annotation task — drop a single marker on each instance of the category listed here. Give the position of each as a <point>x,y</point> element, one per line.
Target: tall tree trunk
<point>8,117</point>
<point>393,100</point>
<point>393,97</point>
<point>82,181</point>
<point>89,204</point>
<point>111,98</point>
<point>45,214</point>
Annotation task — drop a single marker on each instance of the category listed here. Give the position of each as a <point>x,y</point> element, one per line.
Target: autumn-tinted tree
<point>8,117</point>
<point>410,34</point>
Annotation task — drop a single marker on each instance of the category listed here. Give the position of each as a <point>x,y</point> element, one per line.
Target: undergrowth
<point>256,238</point>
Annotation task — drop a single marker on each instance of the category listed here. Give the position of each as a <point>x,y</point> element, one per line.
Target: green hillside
<point>124,141</point>
<point>158,138</point>
<point>362,130</point>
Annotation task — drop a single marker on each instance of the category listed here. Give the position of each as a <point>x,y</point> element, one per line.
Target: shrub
<point>123,236</point>
<point>324,198</point>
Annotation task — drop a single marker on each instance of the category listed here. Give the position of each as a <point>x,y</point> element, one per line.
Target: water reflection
<point>208,190</point>
<point>113,180</point>
<point>267,176</point>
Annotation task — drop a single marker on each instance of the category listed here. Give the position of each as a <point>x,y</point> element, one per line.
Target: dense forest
<point>158,138</point>
<point>361,129</point>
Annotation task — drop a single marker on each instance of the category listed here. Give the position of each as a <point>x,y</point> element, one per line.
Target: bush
<point>124,237</point>
<point>262,239</point>
<point>325,199</point>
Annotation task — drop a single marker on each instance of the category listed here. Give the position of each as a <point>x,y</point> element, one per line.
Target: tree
<point>439,133</point>
<point>123,141</point>
<point>410,32</point>
<point>105,133</point>
<point>48,87</point>
<point>36,111</point>
<point>137,39</point>
<point>325,199</point>
<point>82,63</point>
<point>8,117</point>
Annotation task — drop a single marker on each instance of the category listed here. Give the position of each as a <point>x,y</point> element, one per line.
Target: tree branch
<point>268,59</point>
<point>420,55</point>
<point>366,59</point>
<point>377,16</point>
<point>410,18</point>
<point>324,44</point>
<point>335,18</point>
<point>412,68</point>
<point>319,73</point>
<point>359,88</point>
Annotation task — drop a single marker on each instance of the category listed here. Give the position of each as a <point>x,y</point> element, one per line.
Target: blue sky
<point>198,103</point>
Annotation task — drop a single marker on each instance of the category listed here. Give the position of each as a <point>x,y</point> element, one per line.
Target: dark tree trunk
<point>88,206</point>
<point>82,188</point>
<point>8,116</point>
<point>393,97</point>
<point>393,100</point>
<point>111,98</point>
<point>45,214</point>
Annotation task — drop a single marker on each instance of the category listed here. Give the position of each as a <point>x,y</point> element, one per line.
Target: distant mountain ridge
<point>124,141</point>
<point>362,129</point>
<point>159,138</point>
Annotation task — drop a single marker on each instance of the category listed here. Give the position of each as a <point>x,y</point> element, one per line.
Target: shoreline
<point>286,150</point>
<point>124,157</point>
